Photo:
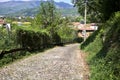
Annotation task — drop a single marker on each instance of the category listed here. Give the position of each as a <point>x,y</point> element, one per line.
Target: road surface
<point>59,63</point>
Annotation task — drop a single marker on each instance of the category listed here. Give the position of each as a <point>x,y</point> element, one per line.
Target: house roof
<point>75,23</point>
<point>89,27</point>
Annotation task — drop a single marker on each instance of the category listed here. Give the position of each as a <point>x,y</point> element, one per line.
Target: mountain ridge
<point>14,6</point>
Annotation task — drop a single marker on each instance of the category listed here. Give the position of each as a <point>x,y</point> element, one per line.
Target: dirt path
<point>59,63</point>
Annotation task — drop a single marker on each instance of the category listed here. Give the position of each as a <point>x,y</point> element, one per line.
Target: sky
<point>67,1</point>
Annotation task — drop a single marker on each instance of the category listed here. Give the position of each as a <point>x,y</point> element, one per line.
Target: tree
<point>109,7</point>
<point>92,6</point>
<point>48,16</point>
<point>99,9</point>
<point>48,19</point>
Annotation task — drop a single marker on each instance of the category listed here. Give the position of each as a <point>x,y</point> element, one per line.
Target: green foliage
<point>49,19</point>
<point>33,40</point>
<point>66,33</point>
<point>113,44</point>
<point>8,42</point>
<point>77,19</point>
<point>7,59</point>
<point>39,39</point>
<point>107,8</point>
<point>101,10</point>
<point>7,39</point>
<point>68,12</point>
<point>79,39</point>
<point>104,51</point>
<point>93,7</point>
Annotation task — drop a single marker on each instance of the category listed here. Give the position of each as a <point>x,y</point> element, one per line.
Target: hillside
<point>34,11</point>
<point>104,50</point>
<point>30,7</point>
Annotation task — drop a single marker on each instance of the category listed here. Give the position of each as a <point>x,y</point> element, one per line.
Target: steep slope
<point>104,50</point>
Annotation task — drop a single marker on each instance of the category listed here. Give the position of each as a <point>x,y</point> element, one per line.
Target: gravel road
<point>59,63</point>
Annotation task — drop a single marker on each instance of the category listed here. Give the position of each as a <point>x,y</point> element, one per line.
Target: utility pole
<point>85,14</point>
<point>85,11</point>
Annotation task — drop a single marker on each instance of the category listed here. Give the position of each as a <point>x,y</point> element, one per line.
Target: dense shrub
<point>33,40</point>
<point>78,39</point>
<point>36,40</point>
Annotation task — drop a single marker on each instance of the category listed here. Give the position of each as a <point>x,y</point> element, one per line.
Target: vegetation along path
<point>59,63</point>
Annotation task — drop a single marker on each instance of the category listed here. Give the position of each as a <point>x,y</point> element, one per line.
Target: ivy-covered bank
<point>103,48</point>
